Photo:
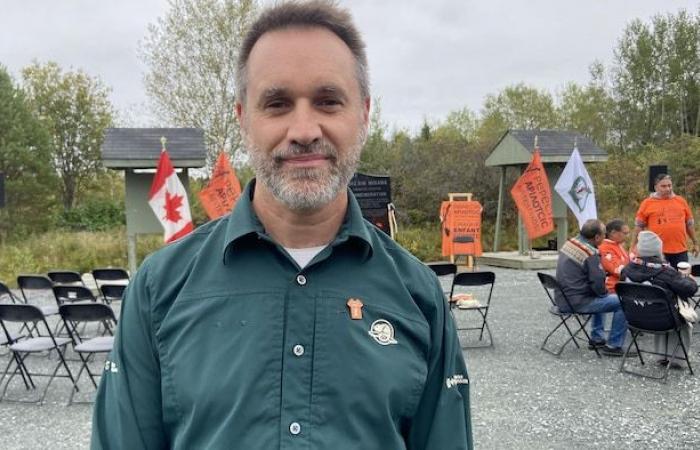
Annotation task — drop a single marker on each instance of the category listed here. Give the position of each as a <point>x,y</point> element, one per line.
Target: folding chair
<point>38,290</point>
<point>445,272</point>
<point>551,288</point>
<point>65,277</point>
<point>475,279</point>
<point>114,276</point>
<point>39,343</point>
<point>86,348</point>
<point>112,292</point>
<point>73,294</point>
<point>695,272</point>
<point>6,296</point>
<point>650,310</point>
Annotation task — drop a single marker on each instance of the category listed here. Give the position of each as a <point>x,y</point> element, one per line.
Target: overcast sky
<point>427,57</point>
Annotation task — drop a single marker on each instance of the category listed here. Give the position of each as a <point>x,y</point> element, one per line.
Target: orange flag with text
<point>533,198</point>
<point>219,196</point>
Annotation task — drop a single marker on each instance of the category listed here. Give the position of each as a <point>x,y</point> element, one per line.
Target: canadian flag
<point>168,200</point>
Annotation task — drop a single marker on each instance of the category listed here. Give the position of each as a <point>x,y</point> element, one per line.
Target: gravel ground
<point>522,397</point>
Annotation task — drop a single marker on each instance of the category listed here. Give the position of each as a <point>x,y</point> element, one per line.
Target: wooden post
<point>499,211</point>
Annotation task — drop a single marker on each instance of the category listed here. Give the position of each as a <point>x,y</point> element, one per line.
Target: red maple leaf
<point>172,204</point>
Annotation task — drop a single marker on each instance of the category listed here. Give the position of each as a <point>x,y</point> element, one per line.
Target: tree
<point>25,161</point>
<point>656,79</point>
<point>75,109</point>
<point>376,154</point>
<point>588,109</point>
<point>191,54</point>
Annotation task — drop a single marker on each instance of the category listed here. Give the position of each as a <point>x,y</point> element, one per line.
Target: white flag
<point>576,188</point>
<point>168,200</point>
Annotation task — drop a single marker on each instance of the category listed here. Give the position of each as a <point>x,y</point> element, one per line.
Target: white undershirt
<point>304,255</point>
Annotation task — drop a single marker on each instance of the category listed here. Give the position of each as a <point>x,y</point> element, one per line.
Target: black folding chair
<point>30,314</point>
<point>446,272</point>
<point>551,288</point>
<point>73,294</point>
<point>695,272</point>
<point>112,292</point>
<point>651,310</point>
<point>6,296</point>
<point>478,304</point>
<point>112,276</point>
<point>88,347</point>
<point>38,290</point>
<point>65,277</point>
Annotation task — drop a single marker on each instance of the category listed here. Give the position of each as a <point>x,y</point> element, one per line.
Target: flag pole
<point>163,140</point>
<point>529,241</point>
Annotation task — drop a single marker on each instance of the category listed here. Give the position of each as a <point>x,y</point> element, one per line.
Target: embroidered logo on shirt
<point>455,380</point>
<point>382,332</point>
<point>111,367</point>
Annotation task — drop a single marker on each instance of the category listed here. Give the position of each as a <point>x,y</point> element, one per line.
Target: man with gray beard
<point>292,322</point>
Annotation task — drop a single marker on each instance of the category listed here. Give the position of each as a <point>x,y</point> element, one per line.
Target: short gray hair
<point>310,14</point>
<point>592,228</point>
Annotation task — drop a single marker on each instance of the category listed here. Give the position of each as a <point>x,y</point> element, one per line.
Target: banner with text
<point>533,198</point>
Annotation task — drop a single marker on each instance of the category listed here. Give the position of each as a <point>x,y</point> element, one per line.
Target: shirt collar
<point>659,197</point>
<point>243,222</point>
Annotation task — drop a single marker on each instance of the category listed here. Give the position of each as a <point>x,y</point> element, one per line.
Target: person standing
<point>669,217</point>
<point>292,322</point>
<point>613,255</point>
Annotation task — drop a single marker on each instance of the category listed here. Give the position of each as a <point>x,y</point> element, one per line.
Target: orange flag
<point>222,191</point>
<point>533,198</point>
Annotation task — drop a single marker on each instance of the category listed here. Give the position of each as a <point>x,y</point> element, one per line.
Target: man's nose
<point>304,128</point>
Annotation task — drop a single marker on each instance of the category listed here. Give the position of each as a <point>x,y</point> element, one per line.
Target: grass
<point>78,251</point>
<point>83,251</point>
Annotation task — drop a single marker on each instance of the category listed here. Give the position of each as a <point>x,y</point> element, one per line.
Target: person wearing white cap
<point>649,266</point>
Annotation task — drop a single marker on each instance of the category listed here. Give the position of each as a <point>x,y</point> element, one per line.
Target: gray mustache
<point>321,148</point>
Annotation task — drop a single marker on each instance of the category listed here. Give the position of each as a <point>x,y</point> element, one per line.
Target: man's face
<point>664,187</point>
<point>304,120</point>
<point>620,236</point>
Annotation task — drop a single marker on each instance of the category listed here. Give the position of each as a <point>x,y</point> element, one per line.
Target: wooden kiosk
<point>136,152</point>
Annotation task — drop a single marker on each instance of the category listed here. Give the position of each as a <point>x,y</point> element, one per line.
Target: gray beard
<point>306,189</point>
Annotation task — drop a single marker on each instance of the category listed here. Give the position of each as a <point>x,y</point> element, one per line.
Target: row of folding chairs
<point>110,282</point>
<point>648,309</point>
<point>66,287</point>
<point>475,308</point>
<point>35,337</point>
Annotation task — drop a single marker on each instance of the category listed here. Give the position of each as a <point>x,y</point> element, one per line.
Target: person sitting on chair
<point>650,267</point>
<point>582,280</point>
<point>613,255</point>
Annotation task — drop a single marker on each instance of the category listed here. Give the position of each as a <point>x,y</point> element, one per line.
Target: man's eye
<point>276,105</point>
<point>329,103</point>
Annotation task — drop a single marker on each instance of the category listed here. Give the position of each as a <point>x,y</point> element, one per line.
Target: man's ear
<point>239,112</point>
<point>366,104</point>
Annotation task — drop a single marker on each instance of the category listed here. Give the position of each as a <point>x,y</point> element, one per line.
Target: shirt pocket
<point>212,346</point>
<point>376,365</point>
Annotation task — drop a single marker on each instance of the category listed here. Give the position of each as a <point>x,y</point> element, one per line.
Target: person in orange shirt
<point>669,216</point>
<point>613,255</point>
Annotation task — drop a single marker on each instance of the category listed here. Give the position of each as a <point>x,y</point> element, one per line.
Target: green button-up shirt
<point>224,342</point>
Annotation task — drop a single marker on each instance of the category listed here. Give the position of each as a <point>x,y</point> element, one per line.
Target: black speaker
<point>654,171</point>
<point>2,190</point>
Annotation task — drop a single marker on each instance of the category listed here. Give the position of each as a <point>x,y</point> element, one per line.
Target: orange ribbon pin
<point>355,305</point>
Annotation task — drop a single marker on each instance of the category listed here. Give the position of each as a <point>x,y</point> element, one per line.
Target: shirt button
<point>298,350</point>
<point>294,428</point>
<point>301,280</point>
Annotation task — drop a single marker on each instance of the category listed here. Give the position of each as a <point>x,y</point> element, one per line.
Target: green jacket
<point>225,343</point>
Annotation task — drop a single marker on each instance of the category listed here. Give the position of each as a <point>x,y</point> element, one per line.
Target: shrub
<point>93,215</point>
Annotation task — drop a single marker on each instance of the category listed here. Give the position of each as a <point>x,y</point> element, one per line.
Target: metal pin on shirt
<point>355,305</point>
